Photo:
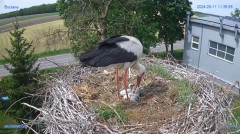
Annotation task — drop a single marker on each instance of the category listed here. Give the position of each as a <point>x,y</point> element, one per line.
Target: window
<point>221,51</point>
<point>195,42</point>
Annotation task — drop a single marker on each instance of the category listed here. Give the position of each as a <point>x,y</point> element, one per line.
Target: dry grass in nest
<point>156,104</point>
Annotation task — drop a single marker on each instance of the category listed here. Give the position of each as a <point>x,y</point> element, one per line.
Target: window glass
<point>195,42</point>
<point>221,54</point>
<point>221,51</point>
<point>195,45</point>
<point>221,47</point>
<point>229,57</point>
<point>196,39</point>
<point>230,50</point>
<point>213,44</point>
<point>212,51</point>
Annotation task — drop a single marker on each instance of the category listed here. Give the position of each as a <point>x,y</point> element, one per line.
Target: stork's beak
<point>139,78</point>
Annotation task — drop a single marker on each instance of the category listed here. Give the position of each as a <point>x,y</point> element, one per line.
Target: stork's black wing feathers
<point>108,53</point>
<point>113,40</point>
<point>106,56</point>
<point>89,55</point>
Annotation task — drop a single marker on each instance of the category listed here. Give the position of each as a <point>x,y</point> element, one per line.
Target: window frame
<point>198,43</point>
<point>218,50</point>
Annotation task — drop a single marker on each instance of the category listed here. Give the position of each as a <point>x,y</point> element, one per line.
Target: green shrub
<point>7,120</point>
<point>7,83</point>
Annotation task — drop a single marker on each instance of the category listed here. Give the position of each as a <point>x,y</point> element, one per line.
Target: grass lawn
<point>55,52</point>
<point>178,54</point>
<point>28,17</point>
<point>35,33</point>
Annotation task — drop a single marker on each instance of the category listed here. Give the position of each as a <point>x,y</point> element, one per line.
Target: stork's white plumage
<point>122,52</point>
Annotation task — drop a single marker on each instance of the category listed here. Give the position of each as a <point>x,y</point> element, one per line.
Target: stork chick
<point>132,92</point>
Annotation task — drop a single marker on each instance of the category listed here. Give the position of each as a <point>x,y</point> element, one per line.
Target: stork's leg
<point>117,85</point>
<point>125,81</point>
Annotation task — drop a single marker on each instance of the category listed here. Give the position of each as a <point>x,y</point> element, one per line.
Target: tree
<point>125,17</point>
<point>169,16</point>
<point>21,59</point>
<point>89,21</point>
<point>20,62</point>
<point>86,21</point>
<point>150,21</point>
<point>236,13</point>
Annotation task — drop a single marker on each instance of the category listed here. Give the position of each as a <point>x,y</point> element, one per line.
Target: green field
<point>29,17</point>
<point>37,34</point>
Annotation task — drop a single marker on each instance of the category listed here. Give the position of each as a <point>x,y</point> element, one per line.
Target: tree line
<point>44,8</point>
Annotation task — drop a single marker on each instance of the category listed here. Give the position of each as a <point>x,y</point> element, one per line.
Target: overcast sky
<point>217,7</point>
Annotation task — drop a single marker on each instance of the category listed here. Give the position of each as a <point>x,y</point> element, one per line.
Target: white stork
<point>122,52</point>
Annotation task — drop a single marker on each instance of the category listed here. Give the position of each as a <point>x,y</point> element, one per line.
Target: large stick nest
<point>68,98</point>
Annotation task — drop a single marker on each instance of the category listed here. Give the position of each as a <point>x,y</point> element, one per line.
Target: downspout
<point>186,37</point>
<point>221,27</point>
<point>236,33</point>
<point>200,47</point>
<point>188,19</point>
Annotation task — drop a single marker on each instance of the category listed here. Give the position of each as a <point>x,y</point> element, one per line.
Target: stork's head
<point>141,71</point>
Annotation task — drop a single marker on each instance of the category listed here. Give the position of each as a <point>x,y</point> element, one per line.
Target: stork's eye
<point>143,73</point>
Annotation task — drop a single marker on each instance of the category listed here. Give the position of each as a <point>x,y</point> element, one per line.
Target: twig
<point>29,127</point>
<point>104,126</point>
